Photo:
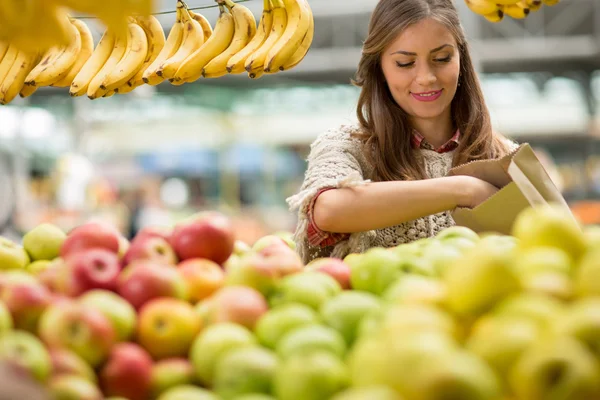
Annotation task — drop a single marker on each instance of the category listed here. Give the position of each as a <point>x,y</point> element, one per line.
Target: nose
<point>425,77</point>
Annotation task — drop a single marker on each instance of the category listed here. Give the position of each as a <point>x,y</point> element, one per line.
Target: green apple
<point>416,289</point>
<point>559,367</point>
<point>39,266</point>
<point>255,396</point>
<point>245,370</point>
<point>12,256</point>
<point>169,373</point>
<point>440,255</point>
<point>367,362</point>
<point>541,308</point>
<point>345,311</point>
<point>240,248</point>
<point>312,338</point>
<point>457,232</point>
<point>550,226</point>
<point>500,340</point>
<point>553,284</point>
<point>213,343</point>
<point>479,279</point>
<point>592,236</point>
<point>378,392</point>
<point>6,322</point>
<point>374,270</point>
<point>506,242</point>
<point>188,392</point>
<point>27,351</point>
<point>311,376</point>
<point>586,281</point>
<point>538,260</point>
<point>121,314</point>
<point>44,242</point>
<point>273,325</point>
<point>461,244</point>
<point>310,288</point>
<point>582,321</point>
<point>73,387</point>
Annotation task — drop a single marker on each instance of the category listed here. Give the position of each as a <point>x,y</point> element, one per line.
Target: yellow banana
<point>132,61</point>
<point>244,30</point>
<point>171,47</point>
<point>299,55</point>
<point>59,63</point>
<point>87,48</point>
<point>8,61</point>
<point>27,91</point>
<point>516,12</point>
<point>236,64</point>
<point>206,28</point>
<point>125,89</point>
<point>298,22</point>
<point>15,80</point>
<point>109,93</point>
<point>506,2</point>
<point>482,7</point>
<point>94,91</point>
<point>551,2</point>
<point>93,65</point>
<point>256,74</point>
<point>532,5</point>
<point>495,16</point>
<point>256,61</point>
<point>3,48</point>
<point>156,42</point>
<point>193,39</point>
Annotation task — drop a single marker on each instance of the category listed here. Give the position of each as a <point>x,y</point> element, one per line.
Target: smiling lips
<point>427,96</point>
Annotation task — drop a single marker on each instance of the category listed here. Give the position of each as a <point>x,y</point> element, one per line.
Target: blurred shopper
<point>421,111</point>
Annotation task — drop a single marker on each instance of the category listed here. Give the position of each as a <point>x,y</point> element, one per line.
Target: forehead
<point>423,36</point>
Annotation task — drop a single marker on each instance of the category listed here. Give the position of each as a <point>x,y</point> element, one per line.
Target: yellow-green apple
<point>73,387</point>
<point>37,267</point>
<point>88,236</point>
<point>316,375</point>
<point>457,232</point>
<point>239,304</point>
<point>345,311</point>
<point>288,238</point>
<point>26,302</point>
<point>541,308</point>
<point>538,260</point>
<point>55,275</point>
<point>582,321</point>
<point>146,280</point>
<point>188,392</point>
<point>204,277</point>
<point>375,392</point>
<point>240,247</point>
<point>12,256</point>
<point>245,370</point>
<point>501,340</point>
<point>121,314</point>
<point>549,226</point>
<point>169,373</point>
<point>150,248</point>
<point>66,362</point>
<point>586,281</point>
<point>334,267</point>
<point>440,256</point>
<point>167,327</point>
<point>309,338</point>
<point>6,322</point>
<point>26,351</point>
<point>212,344</point>
<point>558,367</point>
<point>127,372</point>
<point>416,289</point>
<point>255,396</point>
<point>278,321</point>
<point>478,280</point>
<point>310,288</point>
<point>267,241</point>
<point>94,268</point>
<point>551,283</point>
<point>80,328</point>
<point>374,270</point>
<point>44,242</point>
<point>592,236</point>
<point>207,235</point>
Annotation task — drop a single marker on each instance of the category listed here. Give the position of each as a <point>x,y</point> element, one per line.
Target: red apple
<point>127,372</point>
<point>154,231</point>
<point>204,277</point>
<point>90,235</point>
<point>80,328</point>
<point>238,304</point>
<point>26,302</point>
<point>146,280</point>
<point>169,373</point>
<point>334,267</point>
<point>208,235</point>
<point>268,241</point>
<point>66,362</point>
<point>92,269</point>
<point>167,327</point>
<point>150,248</point>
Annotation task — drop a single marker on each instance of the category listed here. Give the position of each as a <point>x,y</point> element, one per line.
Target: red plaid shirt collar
<point>418,141</point>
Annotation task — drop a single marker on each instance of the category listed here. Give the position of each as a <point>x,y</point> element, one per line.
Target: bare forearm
<point>381,204</point>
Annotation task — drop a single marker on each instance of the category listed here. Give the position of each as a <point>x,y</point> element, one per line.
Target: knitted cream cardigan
<point>337,160</point>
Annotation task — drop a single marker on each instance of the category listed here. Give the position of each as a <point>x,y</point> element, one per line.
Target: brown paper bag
<point>523,182</point>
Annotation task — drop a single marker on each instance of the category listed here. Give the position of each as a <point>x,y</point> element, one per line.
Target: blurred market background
<point>238,145</point>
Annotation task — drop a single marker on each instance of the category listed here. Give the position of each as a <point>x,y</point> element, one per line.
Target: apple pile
<point>191,313</point>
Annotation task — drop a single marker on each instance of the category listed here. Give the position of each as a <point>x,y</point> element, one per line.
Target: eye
<point>443,60</point>
<point>410,64</point>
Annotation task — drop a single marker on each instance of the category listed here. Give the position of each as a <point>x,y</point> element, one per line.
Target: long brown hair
<point>385,126</point>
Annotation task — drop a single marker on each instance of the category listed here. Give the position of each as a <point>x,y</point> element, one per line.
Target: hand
<point>475,191</point>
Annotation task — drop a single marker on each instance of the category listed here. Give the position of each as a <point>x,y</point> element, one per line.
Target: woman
<point>421,111</point>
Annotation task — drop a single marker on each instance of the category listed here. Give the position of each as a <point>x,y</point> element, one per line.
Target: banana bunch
<point>117,63</point>
<point>495,10</point>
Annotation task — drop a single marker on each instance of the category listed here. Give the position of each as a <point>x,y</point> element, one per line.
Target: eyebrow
<point>407,53</point>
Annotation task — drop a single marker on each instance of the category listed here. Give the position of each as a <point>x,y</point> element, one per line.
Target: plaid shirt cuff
<point>317,237</point>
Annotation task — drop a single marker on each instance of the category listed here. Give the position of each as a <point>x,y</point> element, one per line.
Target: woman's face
<point>421,67</point>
